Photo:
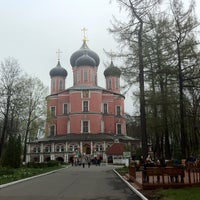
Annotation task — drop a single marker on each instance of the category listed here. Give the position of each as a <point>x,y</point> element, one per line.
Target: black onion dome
<point>85,60</point>
<point>58,71</point>
<point>84,50</point>
<point>112,71</point>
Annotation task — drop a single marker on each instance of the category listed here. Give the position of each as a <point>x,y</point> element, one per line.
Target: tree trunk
<point>142,97</point>
<point>184,145</point>
<point>5,123</point>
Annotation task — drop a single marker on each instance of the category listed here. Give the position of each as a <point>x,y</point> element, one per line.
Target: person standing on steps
<point>89,161</point>
<point>83,161</point>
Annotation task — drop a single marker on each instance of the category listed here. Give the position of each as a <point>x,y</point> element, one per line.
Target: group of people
<point>148,162</point>
<point>85,159</point>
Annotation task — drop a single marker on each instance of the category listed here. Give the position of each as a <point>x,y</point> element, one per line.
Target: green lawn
<point>192,193</point>
<point>9,175</point>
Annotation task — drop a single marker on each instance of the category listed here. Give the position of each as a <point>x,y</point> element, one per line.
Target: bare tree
<point>9,84</point>
<point>22,103</point>
<point>35,108</point>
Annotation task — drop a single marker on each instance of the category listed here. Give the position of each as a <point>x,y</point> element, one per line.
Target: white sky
<point>33,30</point>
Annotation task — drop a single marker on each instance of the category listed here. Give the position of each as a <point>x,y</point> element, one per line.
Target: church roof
<point>58,71</point>
<point>112,71</point>
<point>87,137</point>
<point>84,50</point>
<point>85,87</point>
<point>85,60</point>
<point>116,149</point>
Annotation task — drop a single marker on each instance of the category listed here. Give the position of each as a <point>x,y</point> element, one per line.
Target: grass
<point>192,193</point>
<point>122,170</point>
<point>8,174</point>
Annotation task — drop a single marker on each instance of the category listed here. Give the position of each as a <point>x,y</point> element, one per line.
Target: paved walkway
<point>73,183</point>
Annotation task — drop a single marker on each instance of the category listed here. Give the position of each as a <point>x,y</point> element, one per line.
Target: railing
<point>166,177</point>
<point>193,170</point>
<point>132,173</point>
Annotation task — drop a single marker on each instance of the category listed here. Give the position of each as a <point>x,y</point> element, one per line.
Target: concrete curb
<point>31,177</point>
<point>130,186</point>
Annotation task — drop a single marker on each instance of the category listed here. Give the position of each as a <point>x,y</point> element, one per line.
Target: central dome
<point>85,60</point>
<point>84,50</point>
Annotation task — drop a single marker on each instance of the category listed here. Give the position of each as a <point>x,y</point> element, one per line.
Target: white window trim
<point>103,108</point>
<point>102,126</point>
<point>109,83</point>
<point>116,110</point>
<point>53,85</point>
<point>48,147</point>
<point>117,128</point>
<point>59,148</point>
<point>83,106</point>
<point>99,147</point>
<point>117,83</point>
<point>85,72</point>
<point>64,108</point>
<point>82,125</point>
<point>68,127</point>
<point>61,85</point>
<point>51,110</point>
<point>54,129</point>
<point>73,147</point>
<point>78,76</point>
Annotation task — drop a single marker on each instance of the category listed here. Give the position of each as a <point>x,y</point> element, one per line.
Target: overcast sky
<point>33,30</point>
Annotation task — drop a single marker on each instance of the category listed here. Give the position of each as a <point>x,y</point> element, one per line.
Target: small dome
<point>112,71</point>
<point>58,71</point>
<point>84,50</point>
<point>85,60</point>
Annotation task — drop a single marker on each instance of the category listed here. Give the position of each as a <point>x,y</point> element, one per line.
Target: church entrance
<point>86,149</point>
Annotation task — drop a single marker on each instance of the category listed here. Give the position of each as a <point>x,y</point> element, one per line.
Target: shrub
<point>6,171</point>
<point>50,163</point>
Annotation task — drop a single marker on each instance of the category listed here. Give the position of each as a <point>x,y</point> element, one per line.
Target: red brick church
<point>84,118</point>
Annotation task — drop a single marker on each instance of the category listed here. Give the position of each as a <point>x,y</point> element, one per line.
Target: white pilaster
<point>91,147</point>
<point>81,147</point>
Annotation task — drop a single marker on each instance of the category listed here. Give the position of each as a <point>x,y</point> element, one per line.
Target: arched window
<point>61,85</point>
<point>52,130</point>
<point>73,147</point>
<point>36,149</point>
<point>99,147</point>
<point>117,83</point>
<point>85,75</point>
<point>47,149</point>
<point>65,110</point>
<point>119,129</point>
<point>53,85</point>
<point>60,148</point>
<point>109,84</point>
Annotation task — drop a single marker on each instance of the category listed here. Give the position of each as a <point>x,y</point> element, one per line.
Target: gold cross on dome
<point>84,34</point>
<point>58,52</point>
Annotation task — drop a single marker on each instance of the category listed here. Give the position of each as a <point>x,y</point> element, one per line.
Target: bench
<point>163,175</point>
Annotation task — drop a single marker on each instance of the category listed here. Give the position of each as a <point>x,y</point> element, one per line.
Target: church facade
<point>84,118</point>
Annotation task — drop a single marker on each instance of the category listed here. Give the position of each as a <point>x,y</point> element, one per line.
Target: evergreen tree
<point>12,155</point>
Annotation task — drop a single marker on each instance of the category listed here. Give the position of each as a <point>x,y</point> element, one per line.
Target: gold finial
<point>58,52</point>
<point>84,34</point>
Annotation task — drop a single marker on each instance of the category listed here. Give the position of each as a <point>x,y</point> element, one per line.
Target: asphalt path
<point>73,183</point>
